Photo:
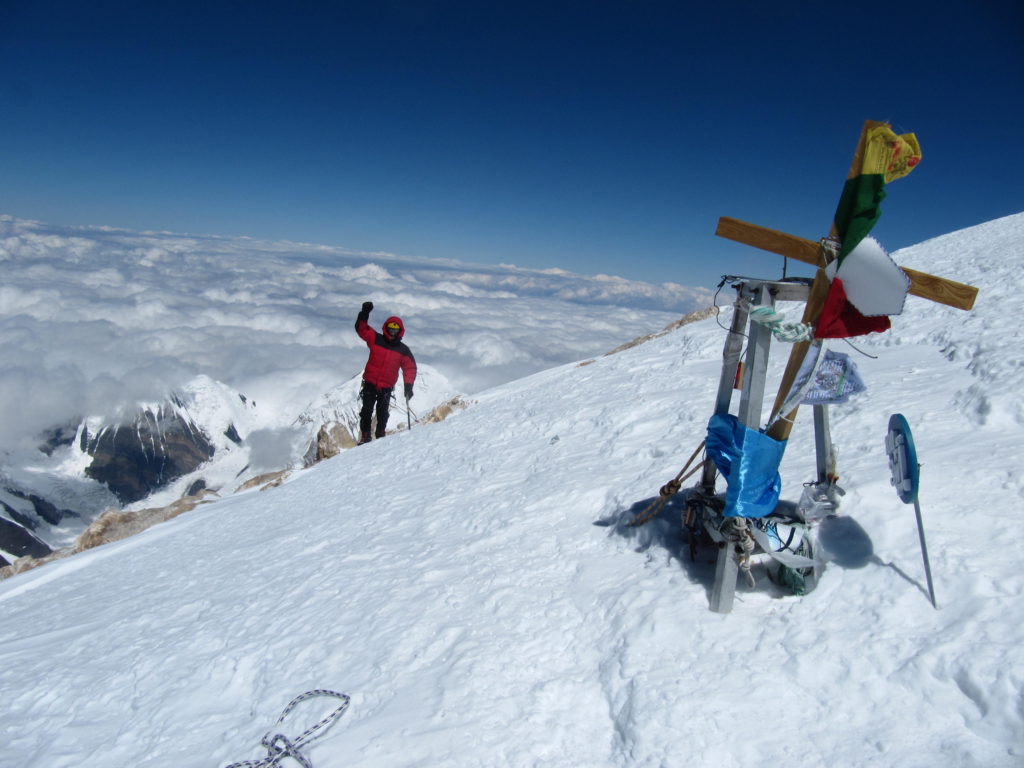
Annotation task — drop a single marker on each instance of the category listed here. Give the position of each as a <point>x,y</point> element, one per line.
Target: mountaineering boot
<point>364,438</point>
<point>379,434</point>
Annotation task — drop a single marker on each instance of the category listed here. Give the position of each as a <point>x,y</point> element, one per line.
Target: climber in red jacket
<point>388,355</point>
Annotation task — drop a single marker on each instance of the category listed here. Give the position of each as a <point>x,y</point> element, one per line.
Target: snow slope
<point>247,442</point>
<point>452,580</point>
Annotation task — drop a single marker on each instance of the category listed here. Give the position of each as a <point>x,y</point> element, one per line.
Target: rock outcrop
<point>136,458</point>
<point>17,540</point>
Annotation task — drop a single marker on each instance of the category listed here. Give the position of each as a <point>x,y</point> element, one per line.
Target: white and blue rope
<point>780,328</point>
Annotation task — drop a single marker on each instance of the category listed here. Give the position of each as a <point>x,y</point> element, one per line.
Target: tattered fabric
<point>749,461</point>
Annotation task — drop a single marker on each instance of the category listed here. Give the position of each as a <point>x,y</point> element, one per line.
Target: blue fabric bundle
<point>749,461</point>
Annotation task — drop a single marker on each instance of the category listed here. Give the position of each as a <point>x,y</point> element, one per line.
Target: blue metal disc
<point>899,445</point>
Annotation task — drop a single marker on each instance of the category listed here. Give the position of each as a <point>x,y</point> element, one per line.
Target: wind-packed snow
<point>452,580</point>
<point>268,446</point>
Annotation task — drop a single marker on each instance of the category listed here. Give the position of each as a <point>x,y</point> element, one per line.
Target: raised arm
<point>366,333</point>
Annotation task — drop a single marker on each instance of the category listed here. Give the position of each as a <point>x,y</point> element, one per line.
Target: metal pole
<point>730,363</point>
<point>924,554</point>
<point>758,344</point>
<point>823,444</point>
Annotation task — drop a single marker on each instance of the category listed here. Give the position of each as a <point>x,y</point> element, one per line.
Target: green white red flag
<point>867,286</point>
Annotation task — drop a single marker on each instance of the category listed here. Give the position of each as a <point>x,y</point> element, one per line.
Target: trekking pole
<point>408,415</point>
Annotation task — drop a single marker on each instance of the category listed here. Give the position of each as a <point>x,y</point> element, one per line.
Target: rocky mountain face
<point>131,460</point>
<point>16,537</point>
<point>96,465</point>
<point>135,459</point>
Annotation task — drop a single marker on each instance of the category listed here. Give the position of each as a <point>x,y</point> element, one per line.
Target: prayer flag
<point>867,286</point>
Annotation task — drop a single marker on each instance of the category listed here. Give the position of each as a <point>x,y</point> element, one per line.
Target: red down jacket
<point>387,356</point>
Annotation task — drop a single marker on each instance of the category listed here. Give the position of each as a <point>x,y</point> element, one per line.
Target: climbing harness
<point>668,490</point>
<point>279,746</point>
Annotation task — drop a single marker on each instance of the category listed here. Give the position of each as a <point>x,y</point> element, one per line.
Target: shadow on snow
<point>840,541</point>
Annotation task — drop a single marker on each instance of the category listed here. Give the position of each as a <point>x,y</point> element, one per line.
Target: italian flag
<point>867,286</point>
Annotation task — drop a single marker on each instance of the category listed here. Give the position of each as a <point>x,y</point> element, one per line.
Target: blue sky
<point>597,137</point>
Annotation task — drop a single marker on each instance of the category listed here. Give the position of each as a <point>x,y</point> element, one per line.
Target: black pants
<point>378,399</point>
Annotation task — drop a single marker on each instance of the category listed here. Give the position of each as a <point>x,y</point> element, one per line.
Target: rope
<point>670,489</point>
<point>737,530</point>
<point>830,247</point>
<point>776,321</point>
<point>746,545</point>
<point>280,746</point>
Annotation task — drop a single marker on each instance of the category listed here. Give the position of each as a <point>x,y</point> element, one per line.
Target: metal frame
<point>751,292</point>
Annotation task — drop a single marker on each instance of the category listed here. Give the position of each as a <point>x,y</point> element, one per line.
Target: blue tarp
<point>749,462</point>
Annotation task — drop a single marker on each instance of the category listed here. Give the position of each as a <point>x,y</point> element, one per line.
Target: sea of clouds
<point>94,320</point>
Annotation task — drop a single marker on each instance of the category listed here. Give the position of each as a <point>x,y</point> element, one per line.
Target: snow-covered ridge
<point>205,437</point>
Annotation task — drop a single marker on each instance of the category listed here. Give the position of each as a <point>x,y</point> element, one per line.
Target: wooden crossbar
<point>806,251</point>
<point>937,289</point>
<point>934,288</point>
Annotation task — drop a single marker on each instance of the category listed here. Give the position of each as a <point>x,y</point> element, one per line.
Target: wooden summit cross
<point>937,289</point>
<point>737,540</point>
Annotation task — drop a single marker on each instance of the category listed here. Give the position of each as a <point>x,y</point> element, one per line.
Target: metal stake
<point>924,554</point>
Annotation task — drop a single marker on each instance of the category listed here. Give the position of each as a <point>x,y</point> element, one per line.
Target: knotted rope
<point>782,330</point>
<point>670,489</point>
<point>279,746</point>
<point>737,530</point>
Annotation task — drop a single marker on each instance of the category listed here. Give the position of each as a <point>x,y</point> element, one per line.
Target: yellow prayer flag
<point>890,155</point>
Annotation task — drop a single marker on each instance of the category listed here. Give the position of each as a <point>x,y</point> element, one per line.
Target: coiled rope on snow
<point>280,746</point>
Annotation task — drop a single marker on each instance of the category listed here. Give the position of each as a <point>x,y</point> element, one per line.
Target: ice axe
<point>899,445</point>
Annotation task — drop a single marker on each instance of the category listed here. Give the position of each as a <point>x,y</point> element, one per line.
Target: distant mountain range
<point>206,438</point>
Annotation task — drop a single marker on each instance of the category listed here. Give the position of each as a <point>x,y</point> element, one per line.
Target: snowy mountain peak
<point>451,579</point>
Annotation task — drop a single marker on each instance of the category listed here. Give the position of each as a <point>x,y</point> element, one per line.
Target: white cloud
<point>92,319</point>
